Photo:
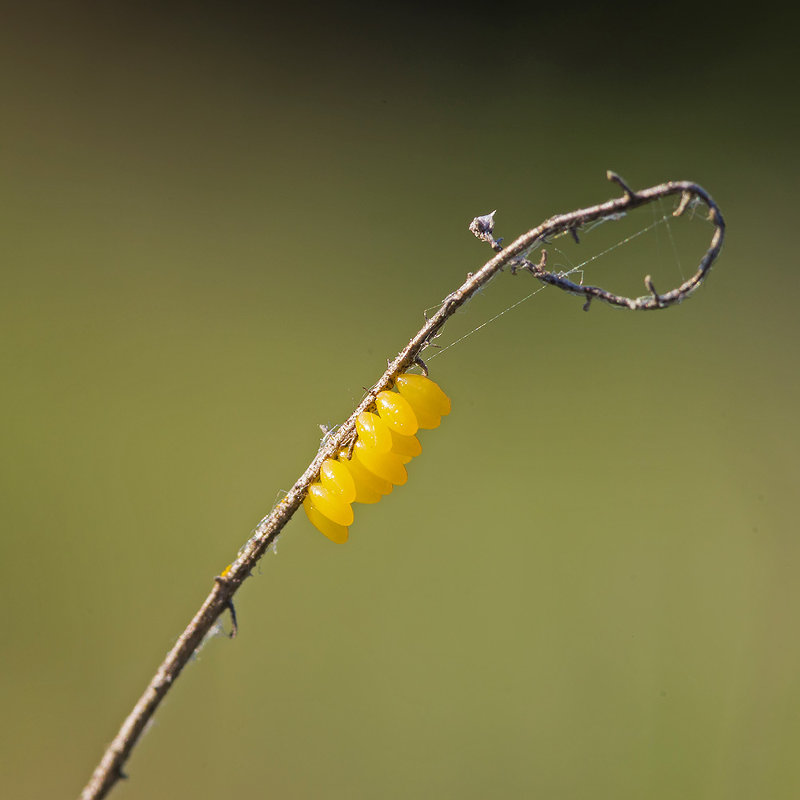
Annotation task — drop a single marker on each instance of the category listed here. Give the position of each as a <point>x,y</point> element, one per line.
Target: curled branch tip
<point>574,220</point>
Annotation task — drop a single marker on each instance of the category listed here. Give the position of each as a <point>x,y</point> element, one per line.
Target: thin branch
<point>109,770</point>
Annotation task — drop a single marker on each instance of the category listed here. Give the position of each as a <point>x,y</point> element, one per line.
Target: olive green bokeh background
<point>216,227</point>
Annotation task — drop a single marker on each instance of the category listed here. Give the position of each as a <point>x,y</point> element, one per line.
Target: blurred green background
<point>217,223</point>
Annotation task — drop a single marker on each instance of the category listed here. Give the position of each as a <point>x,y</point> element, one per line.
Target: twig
<point>109,770</point>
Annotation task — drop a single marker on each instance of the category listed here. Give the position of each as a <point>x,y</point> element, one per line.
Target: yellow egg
<point>369,487</point>
<point>397,413</point>
<point>425,397</point>
<point>336,533</point>
<point>330,505</point>
<point>337,478</point>
<point>405,447</point>
<point>385,465</point>
<point>373,431</point>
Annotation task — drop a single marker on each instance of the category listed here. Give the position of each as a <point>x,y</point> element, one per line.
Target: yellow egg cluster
<point>385,443</point>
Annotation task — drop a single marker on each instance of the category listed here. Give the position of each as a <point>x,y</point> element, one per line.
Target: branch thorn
<point>541,266</point>
<point>683,205</point>
<point>614,178</point>
<point>234,624</point>
<point>648,282</point>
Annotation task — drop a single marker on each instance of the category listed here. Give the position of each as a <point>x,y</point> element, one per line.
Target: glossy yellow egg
<point>336,477</point>
<point>425,397</point>
<point>397,413</point>
<point>336,533</point>
<point>369,487</point>
<point>330,505</point>
<point>405,447</point>
<point>385,465</point>
<point>374,432</point>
